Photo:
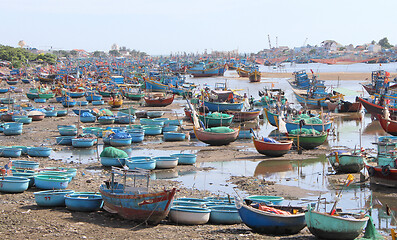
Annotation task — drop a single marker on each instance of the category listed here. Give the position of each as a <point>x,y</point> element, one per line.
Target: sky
<point>170,26</point>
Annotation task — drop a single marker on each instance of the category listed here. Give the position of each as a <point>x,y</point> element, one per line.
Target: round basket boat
<point>51,198</point>
<point>141,162</point>
<point>51,182</point>
<point>12,184</point>
<point>166,162</point>
<point>224,214</point>
<point>189,215</point>
<point>25,164</point>
<point>185,158</point>
<point>39,151</point>
<point>83,202</point>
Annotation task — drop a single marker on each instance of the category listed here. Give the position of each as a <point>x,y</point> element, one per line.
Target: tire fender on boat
<point>386,170</point>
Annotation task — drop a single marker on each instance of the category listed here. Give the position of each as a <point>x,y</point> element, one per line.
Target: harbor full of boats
<point>233,153</point>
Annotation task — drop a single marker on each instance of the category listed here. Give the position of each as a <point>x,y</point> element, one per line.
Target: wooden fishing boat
<point>317,101</point>
<point>46,95</point>
<point>159,101</point>
<point>271,222</point>
<point>308,141</point>
<point>207,72</point>
<point>272,149</point>
<point>216,139</point>
<point>344,161</point>
<point>339,226</point>
<point>135,203</point>
<point>389,125</point>
<point>254,76</point>
<point>271,117</point>
<point>216,119</point>
<point>382,175</point>
<point>242,72</point>
<point>326,126</point>
<point>115,103</point>
<point>375,109</point>
<point>223,106</point>
<point>344,106</point>
<point>242,116</point>
<point>156,86</point>
<point>134,96</point>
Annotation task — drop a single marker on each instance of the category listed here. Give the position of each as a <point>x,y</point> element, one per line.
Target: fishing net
<point>370,231</point>
<point>304,131</point>
<point>218,115</point>
<point>219,130</point>
<point>121,135</point>
<point>113,153</point>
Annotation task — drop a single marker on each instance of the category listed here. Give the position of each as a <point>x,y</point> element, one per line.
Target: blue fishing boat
<point>68,103</point>
<point>24,164</point>
<point>39,151</point>
<point>51,198</point>
<point>170,128</point>
<point>93,97</point>
<point>40,100</point>
<point>345,161</point>
<point>83,202</point>
<point>81,111</point>
<point>22,119</point>
<point>64,140</point>
<point>156,86</point>
<point>223,106</point>
<point>12,184</point>
<point>75,94</point>
<point>82,142</point>
<point>51,181</point>
<point>321,127</point>
<point>98,102</point>
<point>67,131</point>
<point>110,161</point>
<point>152,130</point>
<point>137,135</point>
<point>141,162</point>
<point>51,113</point>
<point>135,203</point>
<point>81,103</point>
<point>10,131</point>
<point>185,158</point>
<point>62,113</point>
<point>106,120</point>
<point>87,119</point>
<point>275,220</point>
<point>224,214</point>
<point>120,142</point>
<point>11,152</point>
<point>174,136</point>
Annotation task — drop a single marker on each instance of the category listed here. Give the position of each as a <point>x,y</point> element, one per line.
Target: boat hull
<point>151,208</point>
<point>244,116</point>
<point>161,102</point>
<point>346,163</point>
<point>221,107</point>
<point>309,141</point>
<point>216,139</point>
<point>382,176</point>
<point>390,126</point>
<point>272,149</point>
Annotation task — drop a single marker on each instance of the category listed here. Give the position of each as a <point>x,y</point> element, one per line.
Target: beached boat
<point>189,215</point>
<point>254,76</point>
<point>216,119</point>
<point>308,141</point>
<point>339,226</point>
<point>272,220</point>
<point>344,106</point>
<point>312,100</point>
<point>159,101</point>
<point>135,203</point>
<point>389,125</point>
<point>272,148</point>
<point>242,116</point>
<point>374,108</point>
<point>293,125</point>
<point>343,161</point>
<point>116,102</point>
<point>134,96</point>
<point>216,138</point>
<point>223,106</point>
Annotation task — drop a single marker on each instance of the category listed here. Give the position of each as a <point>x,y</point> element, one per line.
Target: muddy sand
<point>21,218</point>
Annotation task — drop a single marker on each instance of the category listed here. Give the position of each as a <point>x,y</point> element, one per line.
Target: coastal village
<point>285,143</point>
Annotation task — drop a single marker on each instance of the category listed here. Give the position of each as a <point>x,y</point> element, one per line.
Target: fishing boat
<point>133,202</point>
<point>344,106</point>
<point>272,220</point>
<point>91,96</point>
<point>309,124</point>
<point>375,107</point>
<point>159,101</point>
<point>216,119</point>
<point>389,125</point>
<point>315,99</point>
<point>116,102</point>
<point>272,118</point>
<point>379,82</point>
<point>308,140</point>
<point>254,76</point>
<point>201,70</point>
<point>344,161</point>
<point>242,72</point>
<point>242,116</point>
<point>337,226</point>
<point>271,147</point>
<point>134,96</point>
<point>214,137</point>
<point>223,106</point>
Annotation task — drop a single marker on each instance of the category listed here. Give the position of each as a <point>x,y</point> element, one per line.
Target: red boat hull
<point>159,102</point>
<point>390,126</point>
<point>382,176</point>
<point>244,116</point>
<point>272,149</point>
<point>375,109</point>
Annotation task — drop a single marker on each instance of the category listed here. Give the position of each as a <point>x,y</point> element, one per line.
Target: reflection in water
<point>164,174</point>
<point>265,168</point>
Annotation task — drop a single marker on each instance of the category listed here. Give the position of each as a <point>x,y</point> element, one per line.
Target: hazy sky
<point>165,26</point>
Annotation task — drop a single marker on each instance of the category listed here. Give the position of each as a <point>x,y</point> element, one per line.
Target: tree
<point>312,51</point>
<point>373,42</point>
<point>99,54</point>
<point>115,53</point>
<point>384,43</point>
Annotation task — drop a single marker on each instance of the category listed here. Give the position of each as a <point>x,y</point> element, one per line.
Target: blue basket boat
<point>120,142</point>
<point>11,131</point>
<point>173,122</point>
<point>152,130</point>
<point>265,199</point>
<point>92,97</point>
<point>62,113</point>
<point>81,111</point>
<point>137,135</point>
<point>28,175</point>
<point>39,151</point>
<point>154,114</point>
<point>141,162</point>
<point>170,128</point>
<point>166,162</point>
<point>51,198</point>
<point>66,126</point>
<point>174,136</point>
<point>68,104</point>
<point>81,103</point>
<point>106,120</point>
<point>88,119</point>
<point>98,102</point>
<point>11,152</point>
<point>83,142</point>
<point>24,149</point>
<point>64,140</point>
<point>224,214</point>
<point>24,164</point>
<point>116,162</point>
<point>185,158</point>
<point>22,119</point>
<point>68,131</point>
<point>40,100</point>
<point>83,202</point>
<point>51,113</point>
<point>51,182</point>
<point>11,184</point>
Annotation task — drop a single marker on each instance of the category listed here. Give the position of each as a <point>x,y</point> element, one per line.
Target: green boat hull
<point>46,95</point>
<point>346,163</point>
<point>309,141</point>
